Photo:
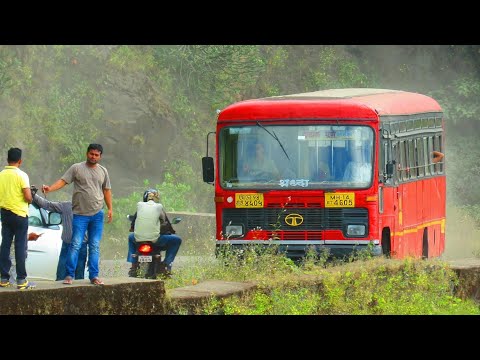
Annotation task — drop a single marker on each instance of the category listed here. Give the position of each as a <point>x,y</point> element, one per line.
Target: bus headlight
<point>234,230</point>
<point>356,230</point>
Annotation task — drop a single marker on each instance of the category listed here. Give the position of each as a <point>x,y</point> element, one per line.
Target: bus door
<point>393,200</point>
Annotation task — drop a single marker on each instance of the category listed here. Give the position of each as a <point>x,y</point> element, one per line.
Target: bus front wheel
<point>386,243</point>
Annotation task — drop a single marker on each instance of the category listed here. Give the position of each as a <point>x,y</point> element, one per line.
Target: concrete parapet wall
<point>197,231</point>
<point>190,298</point>
<point>468,272</point>
<point>125,296</point>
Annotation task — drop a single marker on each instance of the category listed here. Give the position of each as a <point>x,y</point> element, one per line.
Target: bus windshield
<point>263,156</point>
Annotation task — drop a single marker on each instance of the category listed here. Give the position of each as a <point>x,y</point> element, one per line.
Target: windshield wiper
<point>275,137</point>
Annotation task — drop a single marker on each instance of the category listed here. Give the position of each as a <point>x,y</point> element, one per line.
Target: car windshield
<point>34,216</point>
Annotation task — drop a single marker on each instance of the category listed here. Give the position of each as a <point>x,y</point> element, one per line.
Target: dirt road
<point>116,268</point>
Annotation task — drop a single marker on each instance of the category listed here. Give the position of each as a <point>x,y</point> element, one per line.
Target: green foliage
<point>275,302</point>
<point>66,128</point>
<point>371,287</point>
<point>181,171</point>
<point>219,71</point>
<point>459,101</point>
<point>53,105</point>
<point>132,58</point>
<point>176,195</point>
<point>9,65</point>
<point>335,71</point>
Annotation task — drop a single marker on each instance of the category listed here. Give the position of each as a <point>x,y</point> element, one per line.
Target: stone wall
<point>197,231</point>
<point>120,297</point>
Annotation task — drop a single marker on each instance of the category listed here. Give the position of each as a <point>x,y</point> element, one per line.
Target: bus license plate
<point>335,200</point>
<point>249,200</point>
<point>144,258</point>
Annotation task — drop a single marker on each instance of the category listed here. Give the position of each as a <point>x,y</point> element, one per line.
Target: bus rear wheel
<point>425,244</point>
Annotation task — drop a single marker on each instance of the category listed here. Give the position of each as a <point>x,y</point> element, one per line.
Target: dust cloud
<point>462,235</point>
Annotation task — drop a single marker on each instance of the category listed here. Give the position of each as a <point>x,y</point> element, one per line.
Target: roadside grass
<point>319,286</point>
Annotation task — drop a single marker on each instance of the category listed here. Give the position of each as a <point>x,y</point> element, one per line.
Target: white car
<point>42,256</point>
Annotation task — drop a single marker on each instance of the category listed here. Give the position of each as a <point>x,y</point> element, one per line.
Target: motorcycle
<point>149,256</point>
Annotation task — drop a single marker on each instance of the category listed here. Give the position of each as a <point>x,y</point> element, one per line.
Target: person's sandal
<point>96,281</point>
<point>68,280</point>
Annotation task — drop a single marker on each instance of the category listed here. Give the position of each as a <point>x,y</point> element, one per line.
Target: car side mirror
<point>54,218</point>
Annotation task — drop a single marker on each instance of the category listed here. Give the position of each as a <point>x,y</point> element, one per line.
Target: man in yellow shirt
<point>15,196</point>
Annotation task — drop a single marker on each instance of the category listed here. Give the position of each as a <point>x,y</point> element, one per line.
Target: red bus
<point>339,170</point>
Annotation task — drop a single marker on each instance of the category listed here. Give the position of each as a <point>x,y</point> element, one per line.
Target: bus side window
<point>437,146</point>
<point>403,164</point>
<point>412,174</point>
<point>396,160</point>
<point>430,150</point>
<point>426,157</point>
<point>420,157</point>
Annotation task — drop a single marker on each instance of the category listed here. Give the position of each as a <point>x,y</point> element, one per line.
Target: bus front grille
<point>314,220</point>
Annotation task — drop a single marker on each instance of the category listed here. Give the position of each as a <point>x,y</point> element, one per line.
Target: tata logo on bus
<point>294,219</point>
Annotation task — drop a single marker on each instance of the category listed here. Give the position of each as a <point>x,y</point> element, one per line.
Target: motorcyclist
<point>151,222</point>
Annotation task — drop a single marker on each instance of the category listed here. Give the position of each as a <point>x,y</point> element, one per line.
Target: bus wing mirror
<point>390,169</point>
<point>207,168</point>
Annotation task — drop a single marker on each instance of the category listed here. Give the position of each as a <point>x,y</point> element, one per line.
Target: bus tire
<point>425,244</point>
<point>386,243</point>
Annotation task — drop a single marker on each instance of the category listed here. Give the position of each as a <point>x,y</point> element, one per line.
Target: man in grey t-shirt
<point>91,189</point>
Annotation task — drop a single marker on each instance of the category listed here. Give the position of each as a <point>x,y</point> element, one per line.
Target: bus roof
<point>349,103</point>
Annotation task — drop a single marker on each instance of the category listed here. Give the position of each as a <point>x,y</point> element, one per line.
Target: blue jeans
<point>81,224</point>
<point>62,260</point>
<point>13,226</point>
<point>168,243</point>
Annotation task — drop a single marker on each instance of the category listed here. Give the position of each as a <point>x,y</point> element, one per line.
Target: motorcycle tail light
<point>145,248</point>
